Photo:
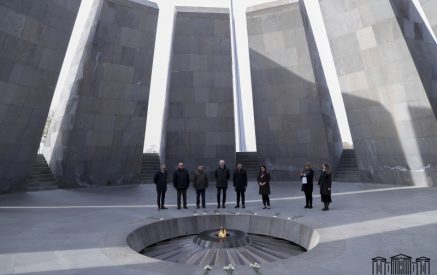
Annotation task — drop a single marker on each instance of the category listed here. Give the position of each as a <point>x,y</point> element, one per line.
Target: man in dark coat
<point>222,175</point>
<point>307,176</point>
<point>181,181</point>
<point>160,179</point>
<point>240,184</point>
<point>200,183</point>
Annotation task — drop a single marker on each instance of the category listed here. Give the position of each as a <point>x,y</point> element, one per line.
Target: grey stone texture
<point>200,123</point>
<point>98,138</point>
<point>420,42</point>
<point>33,40</point>
<point>86,231</point>
<point>335,143</point>
<point>294,118</point>
<point>290,230</point>
<point>430,9</point>
<point>391,118</point>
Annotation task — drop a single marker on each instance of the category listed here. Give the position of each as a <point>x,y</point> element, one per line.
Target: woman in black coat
<point>307,176</point>
<point>263,179</point>
<point>325,183</point>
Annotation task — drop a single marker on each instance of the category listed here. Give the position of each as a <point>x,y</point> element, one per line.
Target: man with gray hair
<point>222,176</point>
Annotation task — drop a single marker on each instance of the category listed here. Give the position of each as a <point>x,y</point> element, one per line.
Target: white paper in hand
<point>304,180</point>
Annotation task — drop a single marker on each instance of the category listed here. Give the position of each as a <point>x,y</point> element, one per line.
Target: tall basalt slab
<point>200,123</point>
<point>294,118</point>
<point>33,40</point>
<point>98,130</point>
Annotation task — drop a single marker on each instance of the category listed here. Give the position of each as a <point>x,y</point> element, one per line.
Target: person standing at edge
<point>263,179</point>
<point>181,181</point>
<point>160,179</point>
<point>200,183</point>
<point>325,182</point>
<point>222,176</point>
<point>307,176</point>
<point>240,184</point>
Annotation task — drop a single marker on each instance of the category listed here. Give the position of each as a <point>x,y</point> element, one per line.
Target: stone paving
<point>83,231</point>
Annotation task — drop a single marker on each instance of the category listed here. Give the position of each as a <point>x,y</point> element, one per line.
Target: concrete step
<point>41,177</point>
<point>43,184</point>
<point>34,189</point>
<point>355,173</point>
<point>348,180</point>
<point>149,165</point>
<point>347,169</point>
<point>250,163</point>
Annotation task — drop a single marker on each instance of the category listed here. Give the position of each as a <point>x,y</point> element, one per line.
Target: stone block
<point>32,30</point>
<point>366,38</point>
<point>206,58</point>
<point>111,99</point>
<point>11,22</point>
<point>285,92</point>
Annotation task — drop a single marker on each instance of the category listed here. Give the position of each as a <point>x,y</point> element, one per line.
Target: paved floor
<point>83,231</point>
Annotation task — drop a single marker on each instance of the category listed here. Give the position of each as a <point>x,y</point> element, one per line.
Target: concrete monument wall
<point>294,119</point>
<point>392,123</point>
<point>420,42</point>
<point>97,139</point>
<point>33,39</point>
<point>200,123</point>
<point>335,143</point>
<point>430,9</point>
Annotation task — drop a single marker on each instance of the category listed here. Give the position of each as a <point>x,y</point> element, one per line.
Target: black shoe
<point>203,206</point>
<point>223,206</point>
<point>185,207</point>
<point>197,207</point>
<point>159,208</point>
<point>179,207</point>
<point>218,206</point>
<point>306,206</point>
<point>325,209</point>
<point>244,206</point>
<point>310,207</point>
<point>264,207</point>
<point>237,206</point>
<point>163,207</point>
<point>268,206</point>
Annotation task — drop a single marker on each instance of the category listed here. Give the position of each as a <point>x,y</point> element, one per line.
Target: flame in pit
<point>222,233</point>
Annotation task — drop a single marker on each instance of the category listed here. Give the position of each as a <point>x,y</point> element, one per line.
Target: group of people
<point>325,183</point>
<point>181,182</point>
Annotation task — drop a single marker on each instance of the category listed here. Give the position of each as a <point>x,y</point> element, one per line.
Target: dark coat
<point>265,177</point>
<point>240,180</point>
<point>325,182</point>
<point>160,179</point>
<point>181,179</point>
<point>308,187</point>
<point>200,180</point>
<point>222,176</point>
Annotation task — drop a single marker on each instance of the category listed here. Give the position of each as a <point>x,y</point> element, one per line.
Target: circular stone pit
<point>193,240</point>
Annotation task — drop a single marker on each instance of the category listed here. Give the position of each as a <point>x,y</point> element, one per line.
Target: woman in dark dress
<point>307,176</point>
<point>263,179</point>
<point>325,182</point>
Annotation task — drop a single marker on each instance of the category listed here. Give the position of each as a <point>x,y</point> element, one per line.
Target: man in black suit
<point>160,179</point>
<point>222,176</point>
<point>181,181</point>
<point>240,184</point>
